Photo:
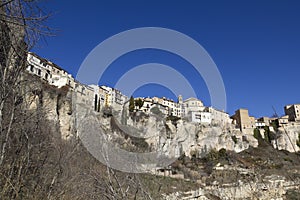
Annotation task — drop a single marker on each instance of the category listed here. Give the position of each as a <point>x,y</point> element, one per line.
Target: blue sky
<point>255,44</point>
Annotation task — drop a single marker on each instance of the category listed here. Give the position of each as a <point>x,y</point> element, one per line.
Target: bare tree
<point>24,137</point>
<point>21,25</point>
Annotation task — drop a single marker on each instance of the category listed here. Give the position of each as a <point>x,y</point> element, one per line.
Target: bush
<point>131,104</point>
<point>269,136</point>
<point>298,141</point>
<point>234,138</point>
<point>173,119</point>
<point>155,110</point>
<point>139,102</point>
<point>222,153</point>
<point>257,134</point>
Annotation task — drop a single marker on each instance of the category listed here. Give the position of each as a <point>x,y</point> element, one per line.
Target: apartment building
<point>293,111</point>
<point>243,120</point>
<point>49,72</point>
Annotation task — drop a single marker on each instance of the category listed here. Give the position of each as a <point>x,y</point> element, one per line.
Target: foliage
<point>155,110</point>
<point>257,134</point>
<point>222,153</point>
<point>292,194</point>
<point>215,155</point>
<point>173,119</point>
<point>275,125</point>
<point>234,139</point>
<point>131,104</point>
<point>269,136</point>
<point>139,102</point>
<point>298,141</point>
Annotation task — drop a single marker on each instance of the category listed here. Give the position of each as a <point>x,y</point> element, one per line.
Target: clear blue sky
<point>255,44</point>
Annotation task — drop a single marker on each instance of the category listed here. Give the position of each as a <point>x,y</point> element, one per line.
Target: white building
<point>113,97</point>
<point>175,109</point>
<point>192,105</point>
<point>49,71</point>
<point>84,94</point>
<point>219,117</point>
<point>199,117</point>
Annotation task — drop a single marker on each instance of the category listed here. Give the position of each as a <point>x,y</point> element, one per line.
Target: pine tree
<point>131,104</point>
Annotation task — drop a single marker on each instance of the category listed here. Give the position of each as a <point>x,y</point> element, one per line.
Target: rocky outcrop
<point>287,138</point>
<point>272,187</point>
<point>55,104</point>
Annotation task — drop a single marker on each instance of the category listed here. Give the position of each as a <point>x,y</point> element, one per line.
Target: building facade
<point>200,117</point>
<point>293,111</point>
<point>243,120</point>
<point>219,117</point>
<point>49,72</point>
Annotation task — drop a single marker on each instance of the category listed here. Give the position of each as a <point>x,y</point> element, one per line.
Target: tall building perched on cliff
<point>49,72</point>
<point>293,111</point>
<point>243,120</point>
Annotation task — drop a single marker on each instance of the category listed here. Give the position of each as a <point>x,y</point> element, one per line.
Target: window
<point>39,72</point>
<point>46,76</point>
<point>31,68</point>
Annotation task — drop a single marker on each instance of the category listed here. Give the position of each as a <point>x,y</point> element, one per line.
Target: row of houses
<point>100,96</point>
<point>244,122</point>
<point>191,109</point>
<point>91,95</point>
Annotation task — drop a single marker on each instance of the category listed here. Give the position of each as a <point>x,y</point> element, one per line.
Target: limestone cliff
<point>55,102</point>
<point>171,137</point>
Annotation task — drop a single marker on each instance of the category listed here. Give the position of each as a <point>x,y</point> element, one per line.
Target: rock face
<point>272,187</point>
<point>171,138</point>
<point>175,138</point>
<point>56,105</point>
<point>287,138</point>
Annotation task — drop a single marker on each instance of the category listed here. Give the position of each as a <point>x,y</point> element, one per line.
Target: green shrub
<point>155,110</point>
<point>298,141</point>
<point>257,134</point>
<point>173,119</point>
<point>139,102</point>
<point>222,153</point>
<point>234,138</point>
<point>131,104</point>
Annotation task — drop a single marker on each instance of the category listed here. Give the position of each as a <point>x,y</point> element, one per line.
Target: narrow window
<point>96,102</point>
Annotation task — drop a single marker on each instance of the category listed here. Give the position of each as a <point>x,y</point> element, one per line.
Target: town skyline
<point>99,96</point>
<point>254,44</point>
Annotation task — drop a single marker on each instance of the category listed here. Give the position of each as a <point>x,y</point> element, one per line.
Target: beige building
<point>263,121</point>
<point>192,105</point>
<point>100,97</point>
<point>293,111</point>
<point>174,108</point>
<point>284,120</point>
<point>83,94</point>
<point>219,117</point>
<point>243,120</point>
